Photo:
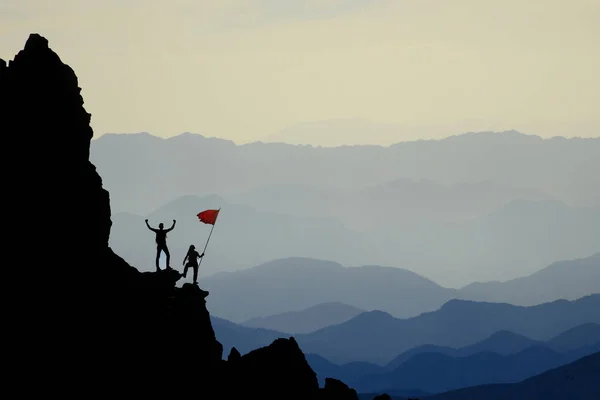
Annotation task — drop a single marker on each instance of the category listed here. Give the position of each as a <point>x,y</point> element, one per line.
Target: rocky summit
<point>79,320</point>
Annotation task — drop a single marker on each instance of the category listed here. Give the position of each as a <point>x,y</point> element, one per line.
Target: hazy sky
<point>246,69</point>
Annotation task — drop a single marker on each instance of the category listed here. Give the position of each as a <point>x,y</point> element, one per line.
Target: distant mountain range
<point>516,240</point>
<point>504,357</point>
<point>307,283</point>
<point>306,321</point>
<point>159,169</point>
<point>377,337</point>
<point>507,343</point>
<point>567,279</point>
<point>436,373</point>
<point>299,283</point>
<point>416,205</point>
<point>575,381</point>
<point>489,208</point>
<point>399,201</point>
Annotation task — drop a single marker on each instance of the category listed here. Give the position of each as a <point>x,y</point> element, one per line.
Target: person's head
<point>192,247</point>
<point>161,225</point>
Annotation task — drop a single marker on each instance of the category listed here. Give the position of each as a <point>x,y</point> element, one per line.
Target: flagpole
<point>206,245</point>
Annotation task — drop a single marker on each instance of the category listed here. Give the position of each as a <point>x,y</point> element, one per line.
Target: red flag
<point>208,216</point>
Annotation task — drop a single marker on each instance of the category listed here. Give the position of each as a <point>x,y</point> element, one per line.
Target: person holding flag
<point>192,256</point>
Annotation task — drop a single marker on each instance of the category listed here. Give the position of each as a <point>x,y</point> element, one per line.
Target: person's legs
<point>166,250</point>
<point>187,265</point>
<point>158,250</point>
<point>195,274</point>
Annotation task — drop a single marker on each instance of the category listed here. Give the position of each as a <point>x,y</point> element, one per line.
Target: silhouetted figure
<point>192,256</point>
<point>161,242</point>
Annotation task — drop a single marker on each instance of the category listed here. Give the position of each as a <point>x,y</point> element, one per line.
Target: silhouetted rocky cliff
<point>80,320</point>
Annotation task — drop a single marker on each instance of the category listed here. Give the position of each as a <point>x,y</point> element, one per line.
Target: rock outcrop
<point>81,321</point>
<point>271,372</point>
<point>337,390</point>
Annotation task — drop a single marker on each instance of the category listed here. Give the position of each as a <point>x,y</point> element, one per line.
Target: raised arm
<point>149,227</point>
<point>172,226</point>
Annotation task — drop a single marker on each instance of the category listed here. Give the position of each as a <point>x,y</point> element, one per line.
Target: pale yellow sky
<point>246,69</point>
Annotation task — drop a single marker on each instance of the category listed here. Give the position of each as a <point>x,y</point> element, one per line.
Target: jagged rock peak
<point>234,355</point>
<point>36,41</point>
<point>46,98</point>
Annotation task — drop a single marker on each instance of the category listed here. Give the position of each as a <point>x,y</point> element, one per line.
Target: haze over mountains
<point>560,168</point>
<point>503,357</point>
<point>474,255</point>
<point>568,279</point>
<point>306,321</point>
<point>305,283</point>
<point>404,269</point>
<point>505,343</point>
<point>420,205</point>
<point>377,337</point>
<point>357,131</point>
<point>500,357</point>
<point>338,132</point>
<point>458,372</point>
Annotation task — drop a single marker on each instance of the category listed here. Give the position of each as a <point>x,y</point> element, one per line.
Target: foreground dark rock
<point>273,372</point>
<point>85,322</point>
<point>338,390</point>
